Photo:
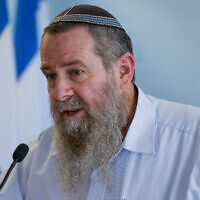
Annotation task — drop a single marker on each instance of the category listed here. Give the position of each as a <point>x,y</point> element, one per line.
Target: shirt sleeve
<point>193,192</point>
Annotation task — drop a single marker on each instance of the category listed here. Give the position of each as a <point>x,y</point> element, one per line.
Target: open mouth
<point>72,111</point>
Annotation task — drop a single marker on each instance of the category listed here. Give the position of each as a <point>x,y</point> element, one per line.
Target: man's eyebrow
<point>71,63</point>
<point>74,62</point>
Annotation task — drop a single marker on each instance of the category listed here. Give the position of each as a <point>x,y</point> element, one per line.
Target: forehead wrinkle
<point>61,48</point>
<point>71,36</point>
<point>67,57</point>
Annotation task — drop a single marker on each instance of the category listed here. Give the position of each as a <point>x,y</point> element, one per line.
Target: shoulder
<point>184,118</point>
<point>44,139</point>
<point>25,172</point>
<point>40,150</point>
<point>42,146</point>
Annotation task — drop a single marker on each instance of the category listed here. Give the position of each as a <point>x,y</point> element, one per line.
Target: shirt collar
<point>140,135</point>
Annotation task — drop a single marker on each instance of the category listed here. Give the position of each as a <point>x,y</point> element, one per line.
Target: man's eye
<point>51,76</point>
<point>77,72</point>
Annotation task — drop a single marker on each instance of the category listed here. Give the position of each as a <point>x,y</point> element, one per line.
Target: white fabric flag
<point>25,107</point>
<point>9,129</point>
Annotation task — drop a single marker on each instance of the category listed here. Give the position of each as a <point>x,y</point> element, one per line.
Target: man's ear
<point>126,67</point>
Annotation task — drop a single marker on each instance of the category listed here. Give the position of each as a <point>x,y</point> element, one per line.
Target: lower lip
<point>77,114</point>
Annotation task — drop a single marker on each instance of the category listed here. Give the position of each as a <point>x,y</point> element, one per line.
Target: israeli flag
<point>24,101</point>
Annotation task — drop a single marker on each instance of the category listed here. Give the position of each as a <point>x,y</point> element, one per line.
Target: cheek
<point>93,94</point>
<point>89,94</point>
<point>86,94</point>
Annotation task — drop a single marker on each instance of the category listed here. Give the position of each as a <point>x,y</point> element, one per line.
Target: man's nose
<point>63,89</point>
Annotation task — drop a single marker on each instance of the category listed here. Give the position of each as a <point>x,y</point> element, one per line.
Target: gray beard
<point>86,144</point>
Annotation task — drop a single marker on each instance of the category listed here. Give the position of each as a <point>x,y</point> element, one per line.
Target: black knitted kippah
<point>87,14</point>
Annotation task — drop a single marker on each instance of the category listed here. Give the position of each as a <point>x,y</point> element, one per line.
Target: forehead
<point>75,40</point>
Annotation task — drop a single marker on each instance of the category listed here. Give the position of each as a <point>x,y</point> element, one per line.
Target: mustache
<point>75,102</point>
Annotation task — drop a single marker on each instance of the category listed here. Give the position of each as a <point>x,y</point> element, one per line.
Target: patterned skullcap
<point>87,14</point>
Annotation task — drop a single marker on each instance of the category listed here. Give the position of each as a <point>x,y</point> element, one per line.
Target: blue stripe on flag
<point>25,36</point>
<point>3,15</point>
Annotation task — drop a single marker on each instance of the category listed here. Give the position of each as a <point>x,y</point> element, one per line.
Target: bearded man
<point>110,141</point>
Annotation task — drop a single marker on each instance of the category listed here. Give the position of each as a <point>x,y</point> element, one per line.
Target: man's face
<point>87,106</point>
<point>72,69</point>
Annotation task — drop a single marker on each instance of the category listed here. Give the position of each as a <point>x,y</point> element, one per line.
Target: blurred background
<point>166,42</point>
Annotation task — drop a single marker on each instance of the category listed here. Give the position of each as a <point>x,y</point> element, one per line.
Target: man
<point>110,140</point>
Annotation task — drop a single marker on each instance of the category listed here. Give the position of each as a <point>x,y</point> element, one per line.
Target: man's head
<point>89,72</point>
<point>110,39</point>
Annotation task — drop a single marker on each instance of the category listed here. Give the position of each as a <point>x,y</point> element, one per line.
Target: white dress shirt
<point>159,160</point>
